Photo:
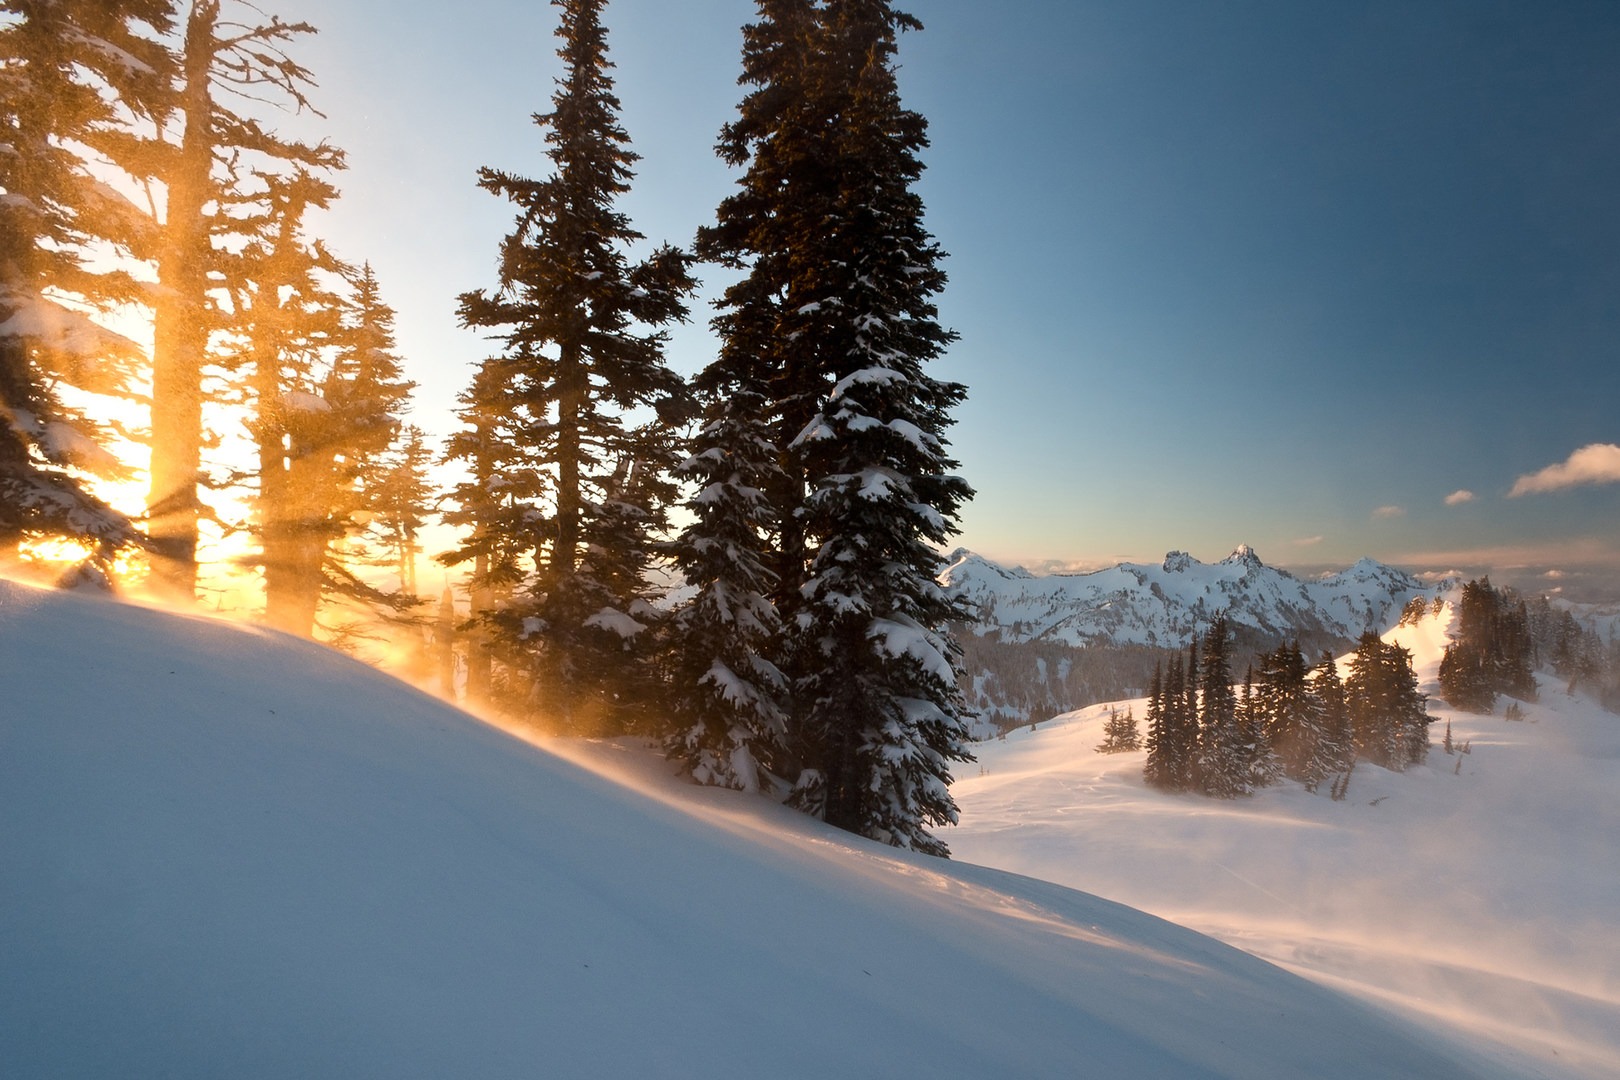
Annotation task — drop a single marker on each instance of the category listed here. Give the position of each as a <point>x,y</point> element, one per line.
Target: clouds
<point>1384,513</point>
<point>1460,496</point>
<point>1308,541</point>
<point>1598,463</point>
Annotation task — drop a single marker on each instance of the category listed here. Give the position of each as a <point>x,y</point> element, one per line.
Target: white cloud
<point>1457,498</point>
<point>1389,512</point>
<point>1307,541</point>
<point>1554,574</point>
<point>1598,463</point>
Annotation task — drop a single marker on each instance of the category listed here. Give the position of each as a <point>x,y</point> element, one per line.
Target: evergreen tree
<point>380,491</point>
<point>1223,763</point>
<point>1287,718</point>
<point>1493,651</point>
<point>282,312</point>
<point>1158,771</point>
<point>221,174</point>
<point>73,75</point>
<point>776,320</point>
<point>882,713</point>
<point>1191,738</point>
<point>402,500</point>
<point>1263,766</point>
<point>1332,748</point>
<point>579,321</point>
<point>728,694</point>
<point>1119,733</point>
<point>496,507</point>
<point>1388,717</point>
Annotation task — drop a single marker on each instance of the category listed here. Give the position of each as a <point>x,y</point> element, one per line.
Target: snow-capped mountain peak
<point>1167,604</point>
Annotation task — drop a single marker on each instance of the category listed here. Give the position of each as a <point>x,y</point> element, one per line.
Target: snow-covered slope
<point>228,853</point>
<point>1164,605</point>
<point>1480,891</point>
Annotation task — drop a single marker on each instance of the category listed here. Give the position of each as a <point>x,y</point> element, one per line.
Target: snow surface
<point>229,853</point>
<point>1141,604</point>
<point>1486,900</point>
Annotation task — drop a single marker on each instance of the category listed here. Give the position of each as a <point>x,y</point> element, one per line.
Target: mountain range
<point>1039,645</point>
<point>1164,605</point>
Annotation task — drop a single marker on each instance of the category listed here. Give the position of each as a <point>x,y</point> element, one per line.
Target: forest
<point>171,321</point>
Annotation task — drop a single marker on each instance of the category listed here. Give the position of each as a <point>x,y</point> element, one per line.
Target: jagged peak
<point>1243,555</point>
<point>1178,562</point>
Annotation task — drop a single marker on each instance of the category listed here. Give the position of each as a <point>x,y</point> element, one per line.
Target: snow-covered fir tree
<point>730,719</point>
<point>1332,749</point>
<point>776,320</point>
<point>1388,718</point>
<point>1281,699</point>
<point>1120,734</point>
<point>881,713</point>
<point>73,74</point>
<point>1157,770</point>
<point>579,323</point>
<point>835,316</point>
<point>1224,759</point>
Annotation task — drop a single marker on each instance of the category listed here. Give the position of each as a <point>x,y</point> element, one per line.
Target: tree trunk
<point>571,391</point>
<point>180,334</point>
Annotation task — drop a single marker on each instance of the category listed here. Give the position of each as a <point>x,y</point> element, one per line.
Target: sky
<point>1330,280</point>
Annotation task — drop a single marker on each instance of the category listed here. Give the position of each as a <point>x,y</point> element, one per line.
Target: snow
<point>66,443</point>
<point>615,621</point>
<point>301,401</point>
<point>905,637</point>
<point>1163,604</point>
<point>230,853</point>
<point>1482,896</point>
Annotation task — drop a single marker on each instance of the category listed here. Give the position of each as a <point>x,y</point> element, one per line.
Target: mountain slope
<point>1478,891</point>
<point>1164,605</point>
<point>228,853</point>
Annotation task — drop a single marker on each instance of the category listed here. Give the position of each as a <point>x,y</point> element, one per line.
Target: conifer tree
<point>1389,721</point>
<point>1263,765</point>
<point>728,694</point>
<point>73,76</point>
<point>1157,771</point>
<point>882,714</point>
<point>1119,733</point>
<point>775,321</point>
<point>1282,701</point>
<point>1223,762</point>
<point>579,324</point>
<point>283,311</point>
<point>211,202</point>
<point>1332,748</point>
<point>402,499</point>
<point>1191,738</point>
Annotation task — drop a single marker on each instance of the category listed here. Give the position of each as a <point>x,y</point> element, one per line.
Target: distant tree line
<point>1287,719</point>
<point>1500,640</point>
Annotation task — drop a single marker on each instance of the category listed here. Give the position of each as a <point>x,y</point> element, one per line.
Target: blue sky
<point>1271,272</point>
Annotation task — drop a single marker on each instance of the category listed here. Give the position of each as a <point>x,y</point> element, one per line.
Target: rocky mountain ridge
<point>1040,645</point>
<point>1165,605</point>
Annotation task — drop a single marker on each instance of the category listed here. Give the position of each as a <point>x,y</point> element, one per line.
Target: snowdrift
<point>224,852</point>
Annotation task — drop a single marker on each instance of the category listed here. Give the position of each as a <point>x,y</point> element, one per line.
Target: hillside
<point>230,853</point>
<point>1478,892</point>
